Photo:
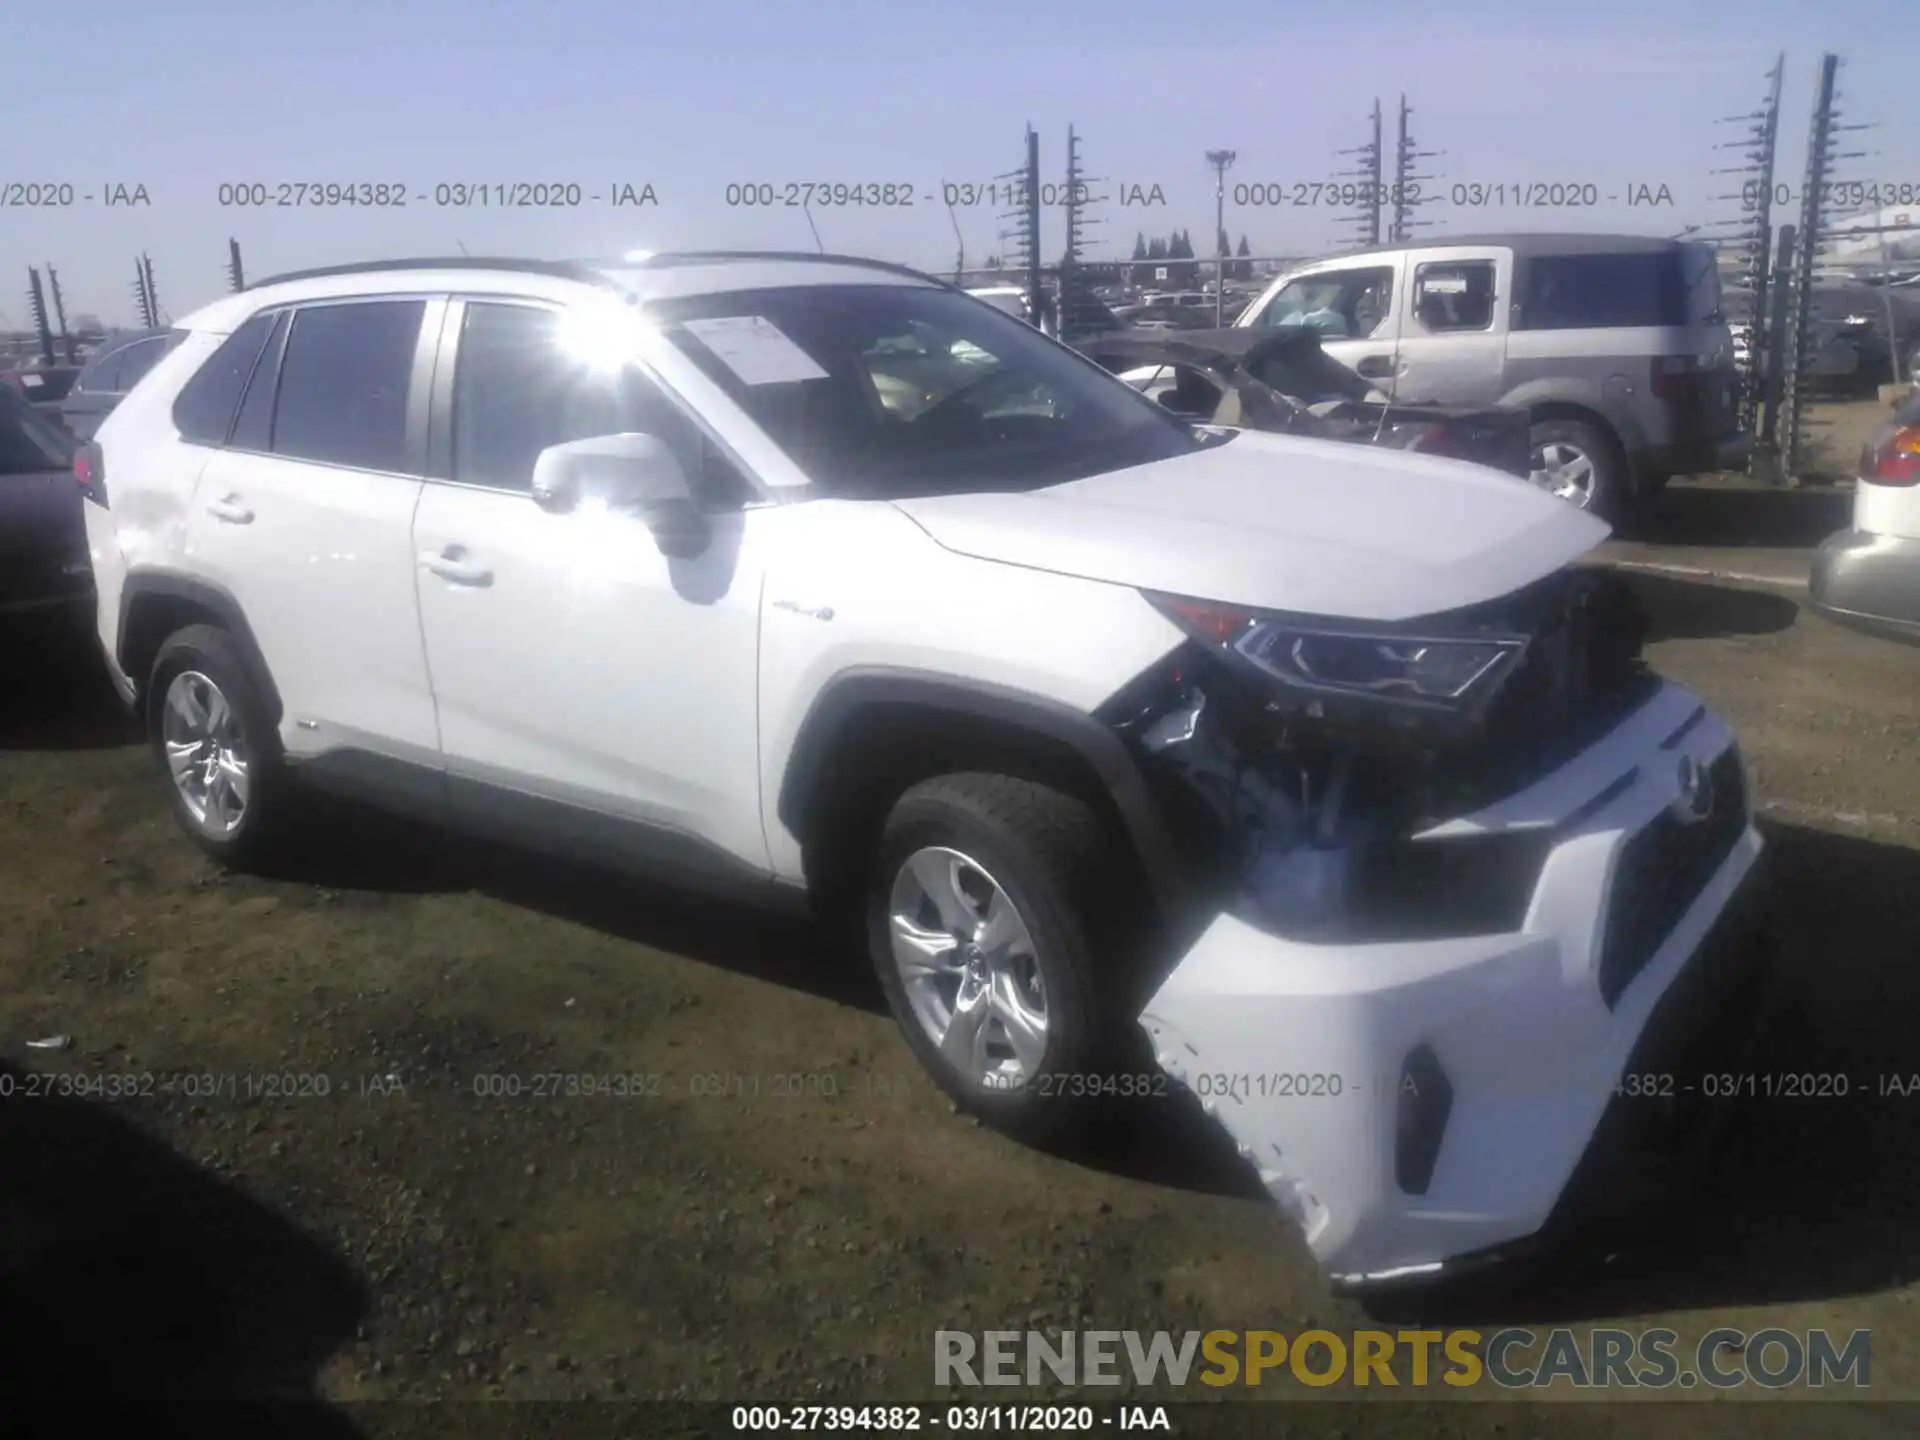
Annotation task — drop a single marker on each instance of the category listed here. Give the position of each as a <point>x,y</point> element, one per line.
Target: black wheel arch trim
<point>205,595</point>
<point>1104,752</point>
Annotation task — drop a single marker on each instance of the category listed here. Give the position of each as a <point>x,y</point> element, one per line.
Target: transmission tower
<point>144,299</point>
<point>1752,241</point>
<point>1366,210</point>
<point>60,315</point>
<point>1814,232</point>
<point>1025,234</point>
<point>37,307</point>
<point>1073,285</point>
<point>236,276</point>
<point>1406,197</point>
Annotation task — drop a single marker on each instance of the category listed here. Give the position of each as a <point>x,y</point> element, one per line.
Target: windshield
<point>897,391</point>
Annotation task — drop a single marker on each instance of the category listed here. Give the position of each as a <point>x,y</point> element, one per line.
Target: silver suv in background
<point>1616,345</point>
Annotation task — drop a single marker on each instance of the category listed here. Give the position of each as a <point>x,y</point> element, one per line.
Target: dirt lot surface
<point>781,1207</point>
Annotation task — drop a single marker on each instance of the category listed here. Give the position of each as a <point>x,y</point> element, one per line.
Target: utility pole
<point>60,314</point>
<point>960,247</point>
<point>1221,161</point>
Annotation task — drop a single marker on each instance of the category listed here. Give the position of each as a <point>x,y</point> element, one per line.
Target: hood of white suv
<point>1274,522</point>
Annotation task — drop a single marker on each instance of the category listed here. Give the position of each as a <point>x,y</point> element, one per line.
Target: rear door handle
<point>229,510</point>
<point>451,564</point>
<point>1375,366</point>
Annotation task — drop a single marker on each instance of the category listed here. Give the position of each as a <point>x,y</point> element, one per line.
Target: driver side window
<point>516,392</point>
<point>1341,304</point>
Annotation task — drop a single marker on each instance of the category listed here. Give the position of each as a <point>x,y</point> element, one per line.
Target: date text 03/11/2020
<point>906,194</point>
<point>446,195</point>
<point>1319,1085</point>
<point>962,1419</point>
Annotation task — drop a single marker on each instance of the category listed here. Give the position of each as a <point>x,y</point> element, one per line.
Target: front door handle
<point>230,510</point>
<point>1375,367</point>
<point>452,564</point>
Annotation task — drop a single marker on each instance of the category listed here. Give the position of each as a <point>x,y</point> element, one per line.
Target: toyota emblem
<point>1695,800</point>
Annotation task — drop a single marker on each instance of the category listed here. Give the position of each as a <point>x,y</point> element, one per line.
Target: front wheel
<point>997,930</point>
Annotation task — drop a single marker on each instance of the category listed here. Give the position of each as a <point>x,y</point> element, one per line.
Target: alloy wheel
<point>1564,470</point>
<point>206,753</point>
<point>967,961</point>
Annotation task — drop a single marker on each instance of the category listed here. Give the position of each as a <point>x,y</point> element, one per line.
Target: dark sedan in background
<point>45,386</point>
<point>110,373</point>
<point>44,565</point>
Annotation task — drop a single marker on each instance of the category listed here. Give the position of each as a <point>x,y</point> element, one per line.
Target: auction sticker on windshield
<point>755,349</point>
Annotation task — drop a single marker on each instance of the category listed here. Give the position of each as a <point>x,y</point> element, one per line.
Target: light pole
<point>1221,161</point>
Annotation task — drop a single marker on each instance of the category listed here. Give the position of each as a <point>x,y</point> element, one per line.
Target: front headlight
<point>1328,659</point>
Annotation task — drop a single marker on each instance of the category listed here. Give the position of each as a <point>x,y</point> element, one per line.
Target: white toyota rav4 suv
<point>1319,771</point>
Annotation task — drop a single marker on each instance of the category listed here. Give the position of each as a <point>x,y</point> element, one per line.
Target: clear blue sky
<point>182,97</point>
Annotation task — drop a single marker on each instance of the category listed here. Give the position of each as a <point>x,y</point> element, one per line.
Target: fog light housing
<point>1420,1120</point>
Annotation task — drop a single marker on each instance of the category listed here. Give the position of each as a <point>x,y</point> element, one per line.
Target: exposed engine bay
<point>1307,805</point>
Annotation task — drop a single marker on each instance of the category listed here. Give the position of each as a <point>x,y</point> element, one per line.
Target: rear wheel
<point>997,931</point>
<point>213,735</point>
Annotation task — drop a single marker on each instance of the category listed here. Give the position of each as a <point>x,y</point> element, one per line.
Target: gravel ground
<point>302,1195</point>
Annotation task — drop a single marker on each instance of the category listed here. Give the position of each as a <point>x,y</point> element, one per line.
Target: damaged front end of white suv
<point>1463,860</point>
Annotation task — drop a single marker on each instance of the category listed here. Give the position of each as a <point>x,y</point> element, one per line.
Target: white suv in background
<point>1320,763</point>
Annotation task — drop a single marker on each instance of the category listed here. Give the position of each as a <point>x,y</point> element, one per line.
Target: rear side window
<point>344,382</point>
<point>254,429</point>
<point>203,413</point>
<point>1603,292</point>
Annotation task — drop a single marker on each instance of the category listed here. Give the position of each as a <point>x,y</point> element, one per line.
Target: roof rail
<point>558,269</point>
<point>813,257</point>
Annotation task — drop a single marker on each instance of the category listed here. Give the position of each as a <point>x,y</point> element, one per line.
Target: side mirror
<point>628,472</point>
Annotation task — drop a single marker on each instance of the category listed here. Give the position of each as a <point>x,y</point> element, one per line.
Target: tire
<point>199,674</point>
<point>1595,472</point>
<point>1051,859</point>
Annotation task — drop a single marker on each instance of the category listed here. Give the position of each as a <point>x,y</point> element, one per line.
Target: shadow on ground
<point>1678,609</point>
<point>346,847</point>
<point>130,1277</point>
<point>1808,1196</point>
<point>1741,516</point>
<point>54,690</point>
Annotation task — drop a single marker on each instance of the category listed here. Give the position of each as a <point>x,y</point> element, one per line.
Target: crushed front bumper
<point>1416,1103</point>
